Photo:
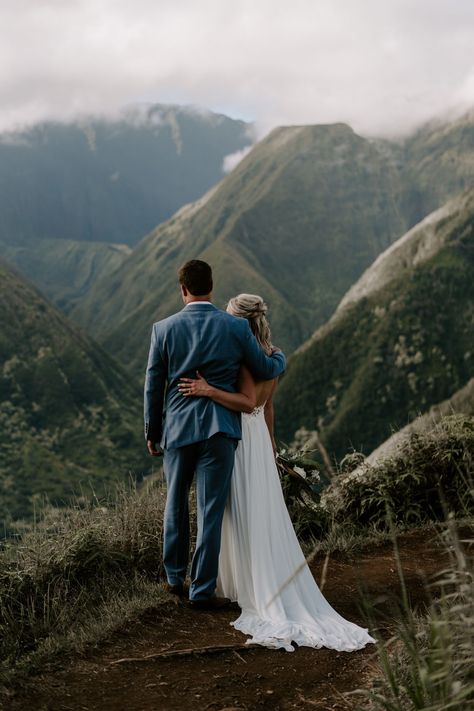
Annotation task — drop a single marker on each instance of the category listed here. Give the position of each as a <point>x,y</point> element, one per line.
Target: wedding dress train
<point>261,564</point>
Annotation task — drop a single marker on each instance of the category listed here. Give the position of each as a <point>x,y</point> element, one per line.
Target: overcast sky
<point>381,65</point>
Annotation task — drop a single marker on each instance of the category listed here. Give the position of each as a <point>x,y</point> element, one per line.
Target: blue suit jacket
<point>200,337</point>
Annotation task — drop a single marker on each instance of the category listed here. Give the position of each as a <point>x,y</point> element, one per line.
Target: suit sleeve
<point>261,366</point>
<point>155,383</point>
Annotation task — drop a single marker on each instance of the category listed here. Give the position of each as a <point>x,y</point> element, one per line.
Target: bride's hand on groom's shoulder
<point>152,449</point>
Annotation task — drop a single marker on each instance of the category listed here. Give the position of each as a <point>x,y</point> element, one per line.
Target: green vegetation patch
<point>430,476</point>
<point>428,663</point>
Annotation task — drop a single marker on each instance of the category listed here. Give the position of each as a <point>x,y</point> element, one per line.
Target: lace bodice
<point>255,412</point>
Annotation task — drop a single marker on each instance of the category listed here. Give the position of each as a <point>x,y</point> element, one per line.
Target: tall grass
<point>428,664</point>
<point>428,475</point>
<point>65,578</point>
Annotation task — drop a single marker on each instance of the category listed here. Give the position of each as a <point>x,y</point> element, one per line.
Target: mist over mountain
<point>70,416</point>
<point>298,221</point>
<point>439,160</point>
<point>105,180</point>
<point>401,340</point>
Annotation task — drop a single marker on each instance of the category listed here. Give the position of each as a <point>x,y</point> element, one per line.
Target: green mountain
<point>401,340</point>
<point>70,416</point>
<point>439,163</point>
<point>462,403</point>
<point>111,180</point>
<point>303,201</point>
<point>64,270</point>
<point>298,220</point>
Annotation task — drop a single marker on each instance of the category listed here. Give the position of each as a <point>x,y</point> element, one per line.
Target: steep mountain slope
<point>111,180</point>
<point>438,162</point>
<point>69,414</point>
<point>64,270</point>
<point>462,402</point>
<point>401,340</point>
<point>298,221</point>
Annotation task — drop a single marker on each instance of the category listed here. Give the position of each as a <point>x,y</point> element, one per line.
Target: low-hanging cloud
<point>382,67</point>
<point>233,159</point>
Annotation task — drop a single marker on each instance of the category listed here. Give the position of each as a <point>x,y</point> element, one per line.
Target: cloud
<point>233,159</point>
<point>383,67</point>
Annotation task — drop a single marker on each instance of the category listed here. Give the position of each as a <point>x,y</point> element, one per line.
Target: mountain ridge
<point>261,228</point>
<point>75,265</point>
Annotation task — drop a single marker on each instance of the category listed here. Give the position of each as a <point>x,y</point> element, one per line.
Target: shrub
<point>429,475</point>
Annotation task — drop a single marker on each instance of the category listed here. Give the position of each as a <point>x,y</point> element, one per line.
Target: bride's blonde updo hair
<point>254,309</point>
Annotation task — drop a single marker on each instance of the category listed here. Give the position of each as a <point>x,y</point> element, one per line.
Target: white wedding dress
<point>261,564</point>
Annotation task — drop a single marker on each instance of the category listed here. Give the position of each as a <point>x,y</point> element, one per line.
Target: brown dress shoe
<point>179,590</point>
<point>212,603</point>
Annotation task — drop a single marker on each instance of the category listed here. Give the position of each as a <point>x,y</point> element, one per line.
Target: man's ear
<point>184,291</point>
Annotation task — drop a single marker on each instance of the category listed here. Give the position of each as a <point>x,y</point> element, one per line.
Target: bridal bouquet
<point>302,485</point>
<point>301,468</point>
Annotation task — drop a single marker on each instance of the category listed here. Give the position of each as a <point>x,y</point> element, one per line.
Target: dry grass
<point>78,574</point>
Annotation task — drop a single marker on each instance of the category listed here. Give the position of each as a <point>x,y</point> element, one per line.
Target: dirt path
<point>236,679</point>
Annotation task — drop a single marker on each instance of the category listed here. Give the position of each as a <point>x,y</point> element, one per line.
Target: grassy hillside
<point>427,476</point>
<point>305,200</point>
<point>111,180</point>
<point>401,340</point>
<point>64,270</point>
<point>70,416</point>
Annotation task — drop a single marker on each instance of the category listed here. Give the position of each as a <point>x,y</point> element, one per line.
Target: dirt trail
<point>237,679</point>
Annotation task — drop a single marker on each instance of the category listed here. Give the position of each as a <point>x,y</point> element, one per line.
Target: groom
<point>197,436</point>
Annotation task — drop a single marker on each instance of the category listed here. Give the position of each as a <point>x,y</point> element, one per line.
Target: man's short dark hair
<point>196,276</point>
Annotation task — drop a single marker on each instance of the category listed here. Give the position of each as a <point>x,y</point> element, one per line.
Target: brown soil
<point>239,678</point>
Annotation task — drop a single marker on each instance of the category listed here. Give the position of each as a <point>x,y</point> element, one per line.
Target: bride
<point>261,564</point>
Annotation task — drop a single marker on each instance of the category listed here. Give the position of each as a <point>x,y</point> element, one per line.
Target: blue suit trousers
<point>212,462</point>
